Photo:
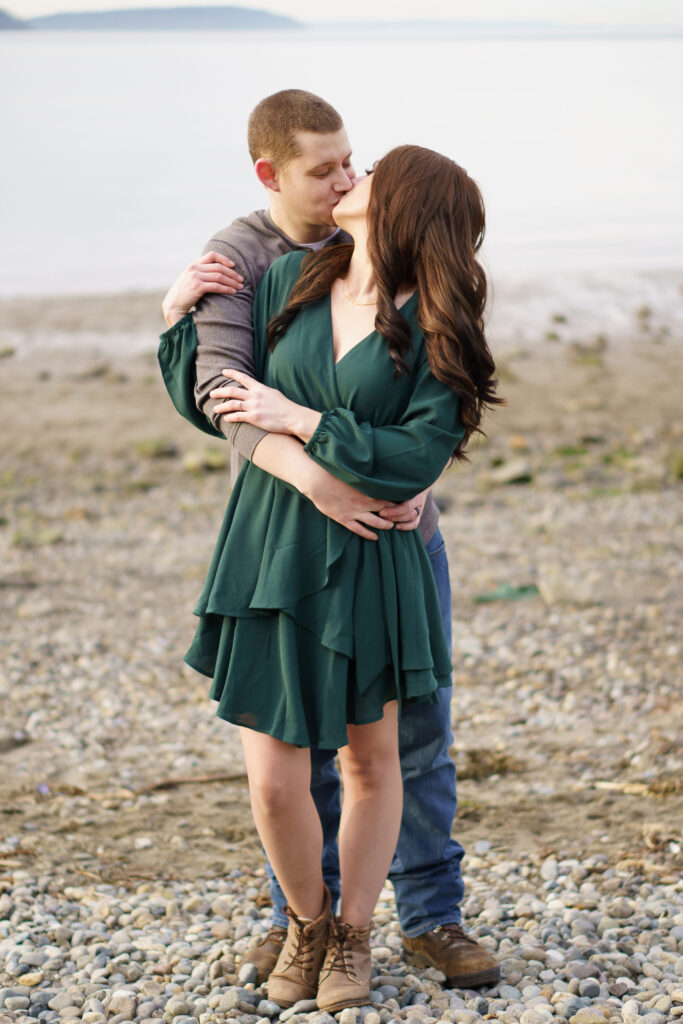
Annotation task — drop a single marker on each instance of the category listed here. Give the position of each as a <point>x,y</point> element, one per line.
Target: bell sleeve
<point>396,461</point>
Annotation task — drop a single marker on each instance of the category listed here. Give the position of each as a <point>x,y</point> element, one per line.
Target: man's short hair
<point>274,121</point>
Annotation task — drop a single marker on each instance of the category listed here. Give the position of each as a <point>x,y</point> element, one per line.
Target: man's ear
<point>266,174</point>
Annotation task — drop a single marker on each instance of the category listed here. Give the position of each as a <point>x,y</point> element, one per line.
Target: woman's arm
<point>213,272</point>
<point>395,461</point>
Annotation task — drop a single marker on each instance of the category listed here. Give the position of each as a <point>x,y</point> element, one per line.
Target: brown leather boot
<point>263,955</point>
<point>296,972</point>
<point>465,963</point>
<point>345,974</point>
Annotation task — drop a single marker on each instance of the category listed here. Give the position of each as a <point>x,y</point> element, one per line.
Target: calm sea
<point>122,153</point>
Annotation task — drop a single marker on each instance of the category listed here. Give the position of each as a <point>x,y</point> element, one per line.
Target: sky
<point>570,12</point>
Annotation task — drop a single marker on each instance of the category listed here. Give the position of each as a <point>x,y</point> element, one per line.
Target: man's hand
<point>408,514</point>
<point>211,273</point>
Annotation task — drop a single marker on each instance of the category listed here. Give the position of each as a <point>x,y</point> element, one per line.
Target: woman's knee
<point>278,772</point>
<point>274,793</point>
<point>370,757</point>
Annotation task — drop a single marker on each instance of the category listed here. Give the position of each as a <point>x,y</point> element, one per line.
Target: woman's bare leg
<point>286,817</point>
<point>371,813</point>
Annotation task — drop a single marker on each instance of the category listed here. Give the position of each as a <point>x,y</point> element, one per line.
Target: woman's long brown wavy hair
<point>425,226</point>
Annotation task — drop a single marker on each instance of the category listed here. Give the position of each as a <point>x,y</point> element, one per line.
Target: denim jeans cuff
<point>455,917</point>
<point>279,919</point>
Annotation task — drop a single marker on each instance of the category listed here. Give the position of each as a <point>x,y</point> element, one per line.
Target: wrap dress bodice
<point>304,626</point>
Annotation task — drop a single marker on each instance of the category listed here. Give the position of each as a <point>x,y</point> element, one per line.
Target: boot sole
<point>490,976</point>
<point>343,1005</point>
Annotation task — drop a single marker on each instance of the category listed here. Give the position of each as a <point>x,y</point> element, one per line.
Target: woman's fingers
<point>242,378</point>
<point>216,257</point>
<point>229,391</point>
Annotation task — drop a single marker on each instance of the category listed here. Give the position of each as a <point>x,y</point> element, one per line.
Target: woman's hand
<point>249,401</point>
<point>406,515</point>
<point>211,273</point>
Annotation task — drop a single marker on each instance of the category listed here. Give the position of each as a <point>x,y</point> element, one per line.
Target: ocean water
<point>122,152</point>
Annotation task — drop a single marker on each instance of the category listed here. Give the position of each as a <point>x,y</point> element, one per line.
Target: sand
<point>567,706</point>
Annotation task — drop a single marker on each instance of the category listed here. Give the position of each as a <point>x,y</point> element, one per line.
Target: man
<point>302,156</point>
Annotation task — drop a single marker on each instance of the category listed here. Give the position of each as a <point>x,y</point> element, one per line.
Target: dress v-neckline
<point>337,362</point>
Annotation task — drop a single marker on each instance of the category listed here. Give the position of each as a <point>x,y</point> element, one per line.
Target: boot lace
<point>339,949</point>
<point>453,934</point>
<point>303,955</point>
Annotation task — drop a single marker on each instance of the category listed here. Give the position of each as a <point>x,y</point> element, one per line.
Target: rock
<point>536,1015</point>
<point>621,908</point>
<point>515,471</point>
<point>303,1006</point>
<point>549,869</point>
<point>509,992</point>
<point>630,1012</point>
<point>248,974</point>
<point>582,969</point>
<point>589,988</point>
<point>176,1007</point>
<point>586,1015</point>
<point>13,1003</point>
<point>122,1002</point>
<point>267,1008</point>
<point>230,1001</point>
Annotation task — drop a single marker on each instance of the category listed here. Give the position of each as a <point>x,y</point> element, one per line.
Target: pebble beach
<point>131,879</point>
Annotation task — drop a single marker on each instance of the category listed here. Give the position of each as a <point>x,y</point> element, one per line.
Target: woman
<point>374,356</point>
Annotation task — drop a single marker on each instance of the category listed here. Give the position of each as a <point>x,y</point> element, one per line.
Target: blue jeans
<point>425,870</point>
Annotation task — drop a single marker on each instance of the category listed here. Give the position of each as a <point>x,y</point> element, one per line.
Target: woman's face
<point>352,208</point>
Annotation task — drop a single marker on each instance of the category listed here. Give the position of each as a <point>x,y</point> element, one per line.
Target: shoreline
<point>592,310</point>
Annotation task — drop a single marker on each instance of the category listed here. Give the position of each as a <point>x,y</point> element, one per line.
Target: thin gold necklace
<point>354,301</point>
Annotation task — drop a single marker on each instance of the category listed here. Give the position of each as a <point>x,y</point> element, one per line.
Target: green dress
<point>304,626</point>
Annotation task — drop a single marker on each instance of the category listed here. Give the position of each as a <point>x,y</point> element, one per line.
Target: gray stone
<point>567,1007</point>
<point>582,969</point>
<point>267,1008</point>
<point>61,1001</point>
<point>303,1006</point>
<point>17,1003</point>
<point>8,992</point>
<point>630,1011</point>
<point>349,1015</point>
<point>230,1001</point>
<point>549,869</point>
<point>122,1002</point>
<point>509,992</point>
<point>589,988</point>
<point>248,974</point>
<point>536,1015</point>
<point>42,996</point>
<point>588,1016</point>
<point>176,1007</point>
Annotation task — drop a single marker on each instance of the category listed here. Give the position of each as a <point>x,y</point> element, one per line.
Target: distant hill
<point>8,22</point>
<point>162,18</point>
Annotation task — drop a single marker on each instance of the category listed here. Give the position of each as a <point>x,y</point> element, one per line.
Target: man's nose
<point>346,179</point>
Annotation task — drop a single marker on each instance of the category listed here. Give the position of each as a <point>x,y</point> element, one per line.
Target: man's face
<point>312,184</point>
